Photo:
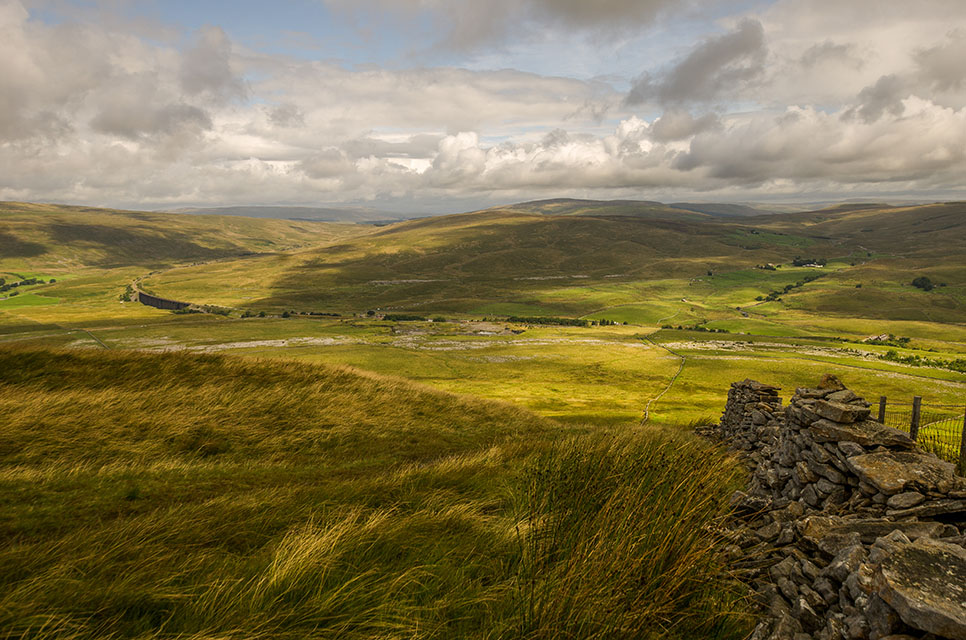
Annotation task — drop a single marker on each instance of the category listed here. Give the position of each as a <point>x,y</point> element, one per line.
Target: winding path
<point>647,338</point>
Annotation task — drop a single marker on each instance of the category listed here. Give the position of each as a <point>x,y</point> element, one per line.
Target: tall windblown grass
<point>183,496</point>
<point>617,542</point>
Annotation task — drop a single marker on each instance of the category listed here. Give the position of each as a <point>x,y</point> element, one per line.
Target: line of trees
<point>776,295</point>
<point>26,282</point>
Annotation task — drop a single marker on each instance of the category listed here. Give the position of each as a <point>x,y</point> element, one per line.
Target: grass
<point>199,496</point>
<point>177,495</point>
<point>47,238</point>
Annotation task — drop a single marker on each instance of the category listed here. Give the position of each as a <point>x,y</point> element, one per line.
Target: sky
<point>432,106</point>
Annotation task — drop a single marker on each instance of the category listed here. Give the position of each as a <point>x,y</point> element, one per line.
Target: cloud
<point>885,96</point>
<point>468,24</point>
<point>829,52</point>
<point>286,115</point>
<point>942,66</point>
<point>206,68</point>
<point>96,113</point>
<point>937,72</point>
<point>924,142</point>
<point>719,66</point>
<point>678,125</point>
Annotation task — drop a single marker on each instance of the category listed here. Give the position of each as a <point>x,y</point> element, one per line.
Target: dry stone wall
<point>847,529</point>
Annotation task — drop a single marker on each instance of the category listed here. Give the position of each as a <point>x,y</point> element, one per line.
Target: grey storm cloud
<point>938,69</point>
<point>133,121</point>
<point>418,146</point>
<point>718,66</point>
<point>944,65</point>
<point>885,96</point>
<point>327,163</point>
<point>286,115</point>
<point>831,52</point>
<point>677,124</point>
<point>206,68</point>
<point>471,23</point>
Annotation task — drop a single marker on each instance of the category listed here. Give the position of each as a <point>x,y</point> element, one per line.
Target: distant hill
<point>554,255</point>
<point>461,261</point>
<point>319,214</point>
<point>646,209</point>
<point>45,236</point>
<point>719,209</point>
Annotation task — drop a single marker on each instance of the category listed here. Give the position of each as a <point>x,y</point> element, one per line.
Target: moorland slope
<point>45,237</point>
<point>175,495</point>
<point>514,261</point>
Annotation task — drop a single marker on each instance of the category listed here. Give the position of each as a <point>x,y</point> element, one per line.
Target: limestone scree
<point>847,528</point>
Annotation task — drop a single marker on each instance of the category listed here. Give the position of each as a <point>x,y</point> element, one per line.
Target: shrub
<point>403,317</point>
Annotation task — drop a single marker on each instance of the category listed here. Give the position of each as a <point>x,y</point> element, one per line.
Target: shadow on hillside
<point>13,247</point>
<point>126,246</point>
<point>457,258</point>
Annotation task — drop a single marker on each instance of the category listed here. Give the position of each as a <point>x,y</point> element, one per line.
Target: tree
<point>924,283</point>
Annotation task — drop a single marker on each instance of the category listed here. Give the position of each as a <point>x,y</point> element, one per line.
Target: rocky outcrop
<point>847,529</point>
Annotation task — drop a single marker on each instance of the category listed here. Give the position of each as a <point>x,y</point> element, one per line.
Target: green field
<point>395,497</point>
<point>596,263</point>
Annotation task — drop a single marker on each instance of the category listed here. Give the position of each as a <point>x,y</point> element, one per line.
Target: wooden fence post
<point>916,412</point>
<point>882,406</point>
<point>962,448</point>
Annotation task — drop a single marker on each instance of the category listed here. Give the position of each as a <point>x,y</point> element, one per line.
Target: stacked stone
<point>752,418</point>
<point>824,427</point>
<point>848,530</point>
<point>842,578</point>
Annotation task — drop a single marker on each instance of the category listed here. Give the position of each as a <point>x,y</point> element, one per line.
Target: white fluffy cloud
<point>759,108</point>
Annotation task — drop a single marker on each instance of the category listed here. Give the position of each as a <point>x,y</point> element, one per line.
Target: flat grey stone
<point>905,500</point>
<point>849,448</point>
<point>925,582</point>
<point>832,534</point>
<point>930,509</point>
<point>893,472</point>
<point>844,395</point>
<point>840,411</point>
<point>867,433</point>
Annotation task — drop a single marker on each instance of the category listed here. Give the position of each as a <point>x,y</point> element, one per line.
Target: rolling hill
<point>495,255</point>
<point>48,238</point>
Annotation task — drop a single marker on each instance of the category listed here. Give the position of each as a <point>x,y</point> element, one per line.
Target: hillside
<point>174,495</point>
<point>48,238</point>
<point>646,209</point>
<point>645,269</point>
<point>319,214</point>
<point>455,262</point>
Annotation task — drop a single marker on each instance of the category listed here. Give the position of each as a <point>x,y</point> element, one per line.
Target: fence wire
<point>940,426</point>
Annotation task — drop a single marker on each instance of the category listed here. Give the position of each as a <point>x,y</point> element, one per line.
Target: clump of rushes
<point>617,541</point>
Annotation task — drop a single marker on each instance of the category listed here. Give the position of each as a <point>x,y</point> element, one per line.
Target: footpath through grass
<point>193,496</point>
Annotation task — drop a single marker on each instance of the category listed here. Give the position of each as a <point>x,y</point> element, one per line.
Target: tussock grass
<point>187,496</point>
<point>617,543</point>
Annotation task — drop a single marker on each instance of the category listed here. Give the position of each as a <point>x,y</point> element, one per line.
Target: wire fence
<point>938,428</point>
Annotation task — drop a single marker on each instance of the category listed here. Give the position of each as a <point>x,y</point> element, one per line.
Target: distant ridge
<point>316,214</point>
<point>724,209</point>
<point>647,209</point>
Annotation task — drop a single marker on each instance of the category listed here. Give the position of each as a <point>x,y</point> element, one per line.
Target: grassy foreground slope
<point>175,495</point>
